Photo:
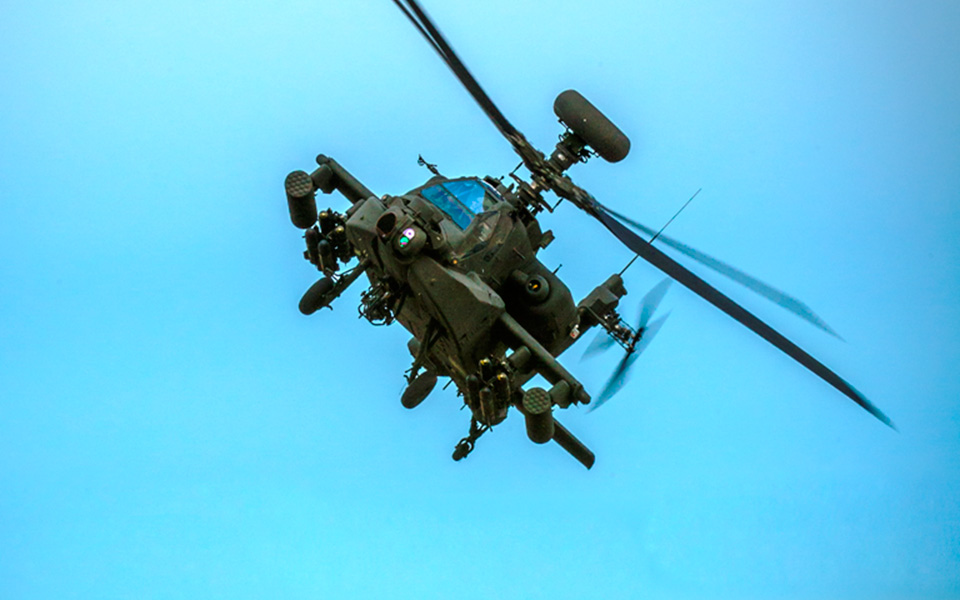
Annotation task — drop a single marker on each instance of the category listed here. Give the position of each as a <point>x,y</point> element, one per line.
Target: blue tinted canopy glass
<point>461,199</point>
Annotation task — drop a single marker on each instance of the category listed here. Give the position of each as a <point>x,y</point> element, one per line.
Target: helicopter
<point>454,261</point>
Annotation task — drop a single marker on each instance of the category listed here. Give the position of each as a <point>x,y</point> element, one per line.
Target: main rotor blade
<point>700,287</point>
<point>774,295</point>
<point>432,34</point>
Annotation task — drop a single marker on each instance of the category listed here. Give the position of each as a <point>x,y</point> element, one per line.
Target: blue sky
<point>171,426</point>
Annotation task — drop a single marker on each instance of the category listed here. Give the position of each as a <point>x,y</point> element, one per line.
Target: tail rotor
<point>633,341</point>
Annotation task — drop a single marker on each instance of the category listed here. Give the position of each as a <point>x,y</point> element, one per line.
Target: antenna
<point>632,260</point>
<point>431,166</point>
<point>675,216</point>
<point>685,204</point>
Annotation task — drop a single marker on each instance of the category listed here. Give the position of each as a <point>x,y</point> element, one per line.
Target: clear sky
<point>172,427</point>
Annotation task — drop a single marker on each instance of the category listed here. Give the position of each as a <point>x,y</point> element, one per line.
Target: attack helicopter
<point>454,261</point>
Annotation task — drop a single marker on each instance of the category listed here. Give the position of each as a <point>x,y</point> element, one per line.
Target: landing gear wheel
<point>464,447</point>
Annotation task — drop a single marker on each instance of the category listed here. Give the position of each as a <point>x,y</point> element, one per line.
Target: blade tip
<point>886,421</point>
<point>880,416</point>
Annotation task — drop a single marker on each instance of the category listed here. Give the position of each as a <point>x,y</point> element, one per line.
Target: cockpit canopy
<point>461,199</point>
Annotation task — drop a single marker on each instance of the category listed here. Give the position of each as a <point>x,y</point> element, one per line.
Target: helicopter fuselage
<point>454,261</point>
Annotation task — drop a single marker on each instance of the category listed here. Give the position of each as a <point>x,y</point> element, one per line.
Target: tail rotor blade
<point>648,305</point>
<point>619,376</point>
<point>651,301</point>
<point>600,343</point>
<point>616,381</point>
<point>648,334</point>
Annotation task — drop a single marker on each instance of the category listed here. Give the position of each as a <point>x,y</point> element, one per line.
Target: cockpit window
<point>461,199</point>
<point>488,228</point>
